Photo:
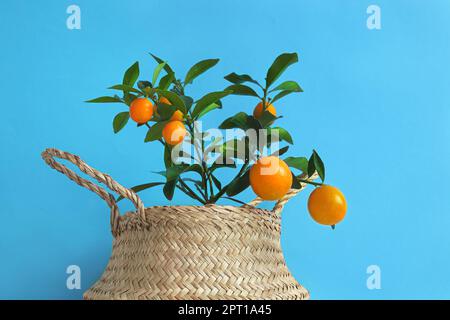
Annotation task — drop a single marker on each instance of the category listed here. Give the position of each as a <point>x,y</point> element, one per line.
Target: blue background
<point>376,107</point>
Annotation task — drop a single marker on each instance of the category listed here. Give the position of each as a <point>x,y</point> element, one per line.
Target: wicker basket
<point>188,252</point>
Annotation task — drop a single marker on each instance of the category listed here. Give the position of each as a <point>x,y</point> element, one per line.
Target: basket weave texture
<point>188,252</point>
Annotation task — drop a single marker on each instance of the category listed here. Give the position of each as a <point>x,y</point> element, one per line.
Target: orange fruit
<point>164,100</point>
<point>258,111</point>
<point>174,132</point>
<point>177,115</point>
<point>270,178</point>
<point>327,205</point>
<point>141,110</point>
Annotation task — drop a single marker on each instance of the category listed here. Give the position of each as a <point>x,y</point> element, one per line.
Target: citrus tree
<point>171,116</point>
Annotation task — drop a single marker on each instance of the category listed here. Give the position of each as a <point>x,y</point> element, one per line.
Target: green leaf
<point>295,183</point>
<point>240,78</point>
<point>166,81</point>
<point>175,171</point>
<point>281,95</point>
<point>169,188</point>
<point>289,86</point>
<point>209,108</point>
<point>142,187</point>
<point>315,163</point>
<point>125,88</point>
<point>129,98</point>
<point>227,163</point>
<point>196,182</point>
<point>216,182</point>
<point>207,100</point>
<point>239,185</point>
<point>120,120</point>
<point>300,163</point>
<point>199,68</point>
<point>281,151</point>
<point>188,101</point>
<point>167,68</point>
<point>174,99</point>
<point>157,71</point>
<point>283,134</point>
<point>242,121</point>
<point>144,84</point>
<point>155,131</point>
<point>165,111</point>
<point>167,155</point>
<point>242,90</point>
<point>105,100</point>
<point>279,66</point>
<point>131,75</point>
<point>267,119</point>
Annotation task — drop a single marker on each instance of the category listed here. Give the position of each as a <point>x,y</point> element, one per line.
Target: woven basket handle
<point>49,154</point>
<point>291,193</point>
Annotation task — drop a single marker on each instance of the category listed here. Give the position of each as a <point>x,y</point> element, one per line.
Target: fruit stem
<point>310,182</point>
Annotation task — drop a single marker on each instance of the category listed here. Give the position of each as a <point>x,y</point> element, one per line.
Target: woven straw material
<point>188,252</point>
<point>191,252</point>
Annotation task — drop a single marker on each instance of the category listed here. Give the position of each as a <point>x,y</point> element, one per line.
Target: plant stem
<point>203,164</point>
<point>192,194</point>
<point>224,189</point>
<point>235,200</point>
<point>310,182</point>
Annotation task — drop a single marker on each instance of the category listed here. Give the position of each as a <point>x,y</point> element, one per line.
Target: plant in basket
<point>209,251</point>
<point>171,117</point>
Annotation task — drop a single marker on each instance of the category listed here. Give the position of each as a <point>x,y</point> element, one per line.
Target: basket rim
<point>209,215</point>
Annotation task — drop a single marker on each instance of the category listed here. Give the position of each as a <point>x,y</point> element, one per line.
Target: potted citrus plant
<point>210,250</point>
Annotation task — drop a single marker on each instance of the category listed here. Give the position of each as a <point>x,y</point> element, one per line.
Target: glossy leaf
<point>166,81</point>
<point>120,120</point>
<point>281,95</point>
<point>300,163</point>
<point>167,155</point>
<point>209,108</point>
<point>131,75</point>
<point>207,100</point>
<point>155,131</point>
<point>188,101</point>
<point>279,66</point>
<point>165,111</point>
<point>267,119</point>
<point>242,90</point>
<point>105,99</point>
<point>144,84</point>
<point>240,78</point>
<point>242,121</point>
<point>289,86</point>
<point>142,187</point>
<point>157,71</point>
<point>125,88</point>
<point>199,68</point>
<point>216,182</point>
<point>315,163</point>
<point>227,163</point>
<point>129,98</point>
<point>169,188</point>
<point>281,151</point>
<point>166,67</point>
<point>295,183</point>
<point>283,134</point>
<point>239,185</point>
<point>175,171</point>
<point>174,99</point>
